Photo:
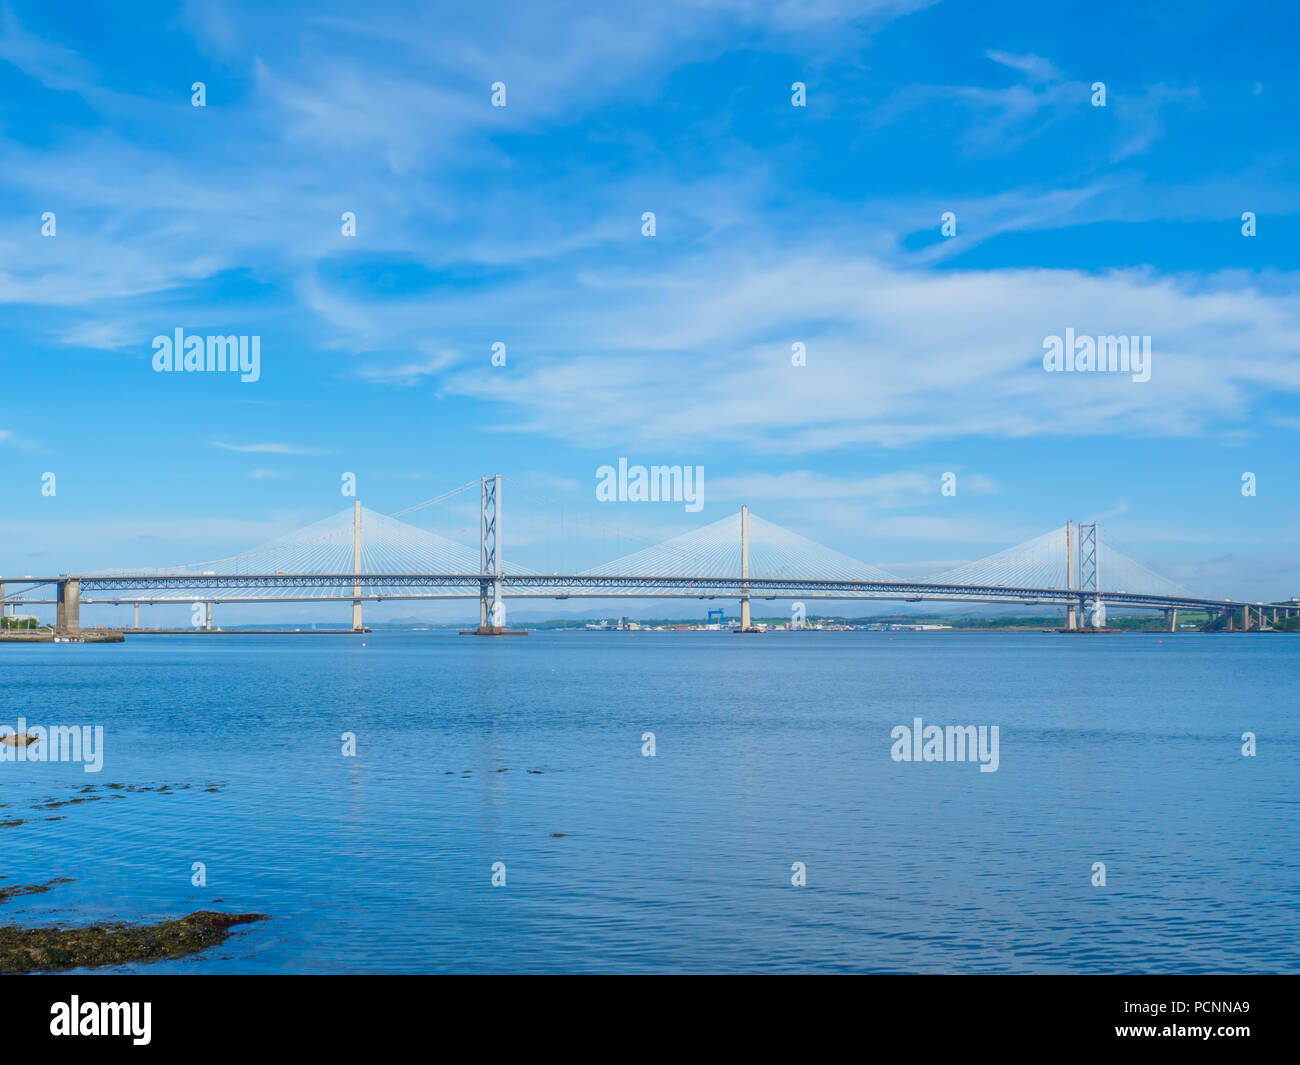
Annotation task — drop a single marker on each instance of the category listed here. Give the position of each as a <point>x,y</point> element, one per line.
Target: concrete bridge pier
<point>135,621</point>
<point>1172,615</point>
<point>68,610</point>
<point>207,617</point>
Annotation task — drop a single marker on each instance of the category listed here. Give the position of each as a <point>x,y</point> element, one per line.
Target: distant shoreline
<point>119,635</point>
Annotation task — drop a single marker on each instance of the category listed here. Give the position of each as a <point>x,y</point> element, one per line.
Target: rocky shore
<point>29,950</point>
<point>52,948</point>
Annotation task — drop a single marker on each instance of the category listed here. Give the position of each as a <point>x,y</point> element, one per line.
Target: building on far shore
<point>20,621</point>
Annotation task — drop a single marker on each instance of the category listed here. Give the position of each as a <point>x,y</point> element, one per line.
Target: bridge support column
<point>207,617</point>
<point>68,611</point>
<point>135,623</point>
<point>356,566</point>
<point>3,605</point>
<point>491,609</point>
<point>1245,619</point>
<point>1173,619</point>
<point>1089,579</point>
<point>1071,616</point>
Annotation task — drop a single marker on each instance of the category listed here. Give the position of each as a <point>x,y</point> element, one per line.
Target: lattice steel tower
<point>1088,581</point>
<point>491,610</point>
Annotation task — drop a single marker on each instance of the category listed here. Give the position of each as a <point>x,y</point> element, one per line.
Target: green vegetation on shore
<point>22,624</point>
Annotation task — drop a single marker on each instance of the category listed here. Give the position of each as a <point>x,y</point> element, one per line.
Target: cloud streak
<point>271,449</point>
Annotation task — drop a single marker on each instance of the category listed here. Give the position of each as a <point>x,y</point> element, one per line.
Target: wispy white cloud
<point>431,364</point>
<point>1006,117</point>
<point>22,442</point>
<point>1034,68</point>
<point>53,65</point>
<point>903,488</point>
<point>895,356</point>
<point>271,449</point>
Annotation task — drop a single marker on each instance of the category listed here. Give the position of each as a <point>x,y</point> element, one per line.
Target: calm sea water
<point>771,750</point>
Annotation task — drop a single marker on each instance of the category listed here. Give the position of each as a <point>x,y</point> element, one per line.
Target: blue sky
<point>774,224</point>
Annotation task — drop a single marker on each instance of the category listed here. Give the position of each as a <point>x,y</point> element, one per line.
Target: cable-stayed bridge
<point>359,555</point>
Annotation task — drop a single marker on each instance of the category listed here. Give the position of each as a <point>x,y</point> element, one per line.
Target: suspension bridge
<point>359,555</point>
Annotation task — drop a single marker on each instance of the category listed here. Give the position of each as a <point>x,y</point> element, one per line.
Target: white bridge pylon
<point>327,546</point>
<point>1043,563</point>
<point>714,551</point>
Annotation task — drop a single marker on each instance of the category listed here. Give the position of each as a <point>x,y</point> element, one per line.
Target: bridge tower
<point>356,565</point>
<point>491,610</point>
<point>1088,580</point>
<point>746,625</point>
<point>1071,614</point>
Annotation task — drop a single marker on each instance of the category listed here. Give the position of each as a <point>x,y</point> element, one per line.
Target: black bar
<point>914,1015</point>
